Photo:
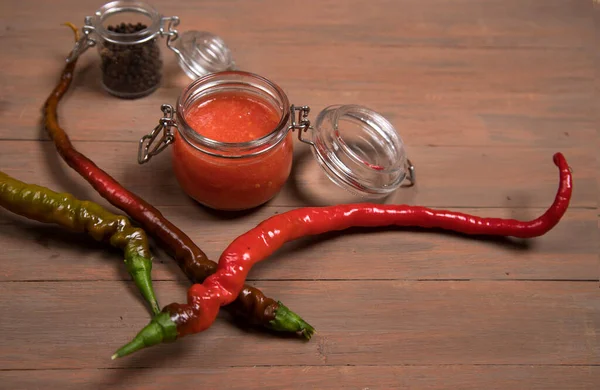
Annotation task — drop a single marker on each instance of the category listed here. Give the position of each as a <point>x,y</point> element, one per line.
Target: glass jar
<point>357,148</point>
<point>126,34</point>
<point>208,169</point>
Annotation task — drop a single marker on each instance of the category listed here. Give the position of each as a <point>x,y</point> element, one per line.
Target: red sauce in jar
<point>232,183</point>
<point>232,118</point>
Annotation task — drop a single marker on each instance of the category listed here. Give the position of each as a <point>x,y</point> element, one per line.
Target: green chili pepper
<point>44,205</point>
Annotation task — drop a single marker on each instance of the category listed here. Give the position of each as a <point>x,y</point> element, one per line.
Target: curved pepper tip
<point>308,332</point>
<point>288,321</point>
<point>140,269</point>
<point>558,158</point>
<point>160,329</point>
<point>560,161</point>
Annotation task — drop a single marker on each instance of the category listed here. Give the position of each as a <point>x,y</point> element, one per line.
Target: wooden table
<point>482,92</point>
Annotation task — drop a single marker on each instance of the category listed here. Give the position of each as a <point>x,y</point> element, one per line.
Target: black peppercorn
<point>130,70</point>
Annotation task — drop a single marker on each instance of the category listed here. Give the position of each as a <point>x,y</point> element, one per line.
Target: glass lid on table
<point>232,136</point>
<point>126,34</point>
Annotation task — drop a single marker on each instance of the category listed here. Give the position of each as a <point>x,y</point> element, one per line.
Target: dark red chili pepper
<point>251,303</point>
<point>178,320</point>
<point>44,205</point>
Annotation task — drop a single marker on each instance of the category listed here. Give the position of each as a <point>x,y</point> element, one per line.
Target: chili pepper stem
<point>74,29</point>
<point>288,321</point>
<point>160,329</point>
<point>140,270</point>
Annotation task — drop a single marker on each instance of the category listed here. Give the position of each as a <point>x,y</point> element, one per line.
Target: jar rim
<point>241,79</point>
<point>341,163</point>
<point>374,120</point>
<point>120,6</point>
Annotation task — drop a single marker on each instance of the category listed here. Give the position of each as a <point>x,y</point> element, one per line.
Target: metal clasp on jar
<point>164,129</point>
<point>302,124</point>
<point>171,33</point>
<point>85,41</point>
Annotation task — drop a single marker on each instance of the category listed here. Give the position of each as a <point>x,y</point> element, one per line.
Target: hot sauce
<point>215,179</point>
<point>232,117</point>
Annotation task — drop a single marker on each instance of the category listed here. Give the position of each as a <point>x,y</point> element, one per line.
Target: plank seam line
<point>423,45</point>
<point>430,146</point>
<point>317,366</point>
<point>315,280</point>
<point>438,207</point>
<point>418,280</point>
<point>571,207</point>
<point>486,47</point>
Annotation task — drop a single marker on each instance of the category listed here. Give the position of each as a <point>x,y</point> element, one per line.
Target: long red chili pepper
<point>177,320</point>
<point>251,303</point>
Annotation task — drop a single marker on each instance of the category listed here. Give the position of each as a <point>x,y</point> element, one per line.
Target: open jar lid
<point>201,52</point>
<point>360,151</point>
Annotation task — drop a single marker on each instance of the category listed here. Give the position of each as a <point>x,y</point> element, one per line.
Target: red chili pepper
<point>251,303</point>
<point>177,320</point>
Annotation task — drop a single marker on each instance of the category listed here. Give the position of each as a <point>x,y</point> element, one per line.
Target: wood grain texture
<point>311,377</point>
<point>490,96</point>
<point>366,323</point>
<point>341,55</point>
<point>448,177</point>
<point>482,92</point>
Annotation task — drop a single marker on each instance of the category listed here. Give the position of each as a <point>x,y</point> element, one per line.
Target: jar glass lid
<point>360,150</point>
<point>201,52</point>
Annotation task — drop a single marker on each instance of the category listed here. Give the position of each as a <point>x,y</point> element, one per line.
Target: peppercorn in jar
<point>130,69</point>
<point>127,34</point>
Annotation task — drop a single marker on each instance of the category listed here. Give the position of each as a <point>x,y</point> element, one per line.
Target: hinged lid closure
<point>360,151</point>
<point>201,52</point>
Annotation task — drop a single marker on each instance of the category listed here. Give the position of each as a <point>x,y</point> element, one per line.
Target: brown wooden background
<point>483,93</point>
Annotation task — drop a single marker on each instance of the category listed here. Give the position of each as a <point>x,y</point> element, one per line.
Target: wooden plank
<point>79,325</point>
<point>434,69</point>
<point>501,84</point>
<point>568,252</point>
<point>448,177</point>
<point>435,23</point>
<point>311,377</point>
<point>433,92</point>
<point>440,97</point>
